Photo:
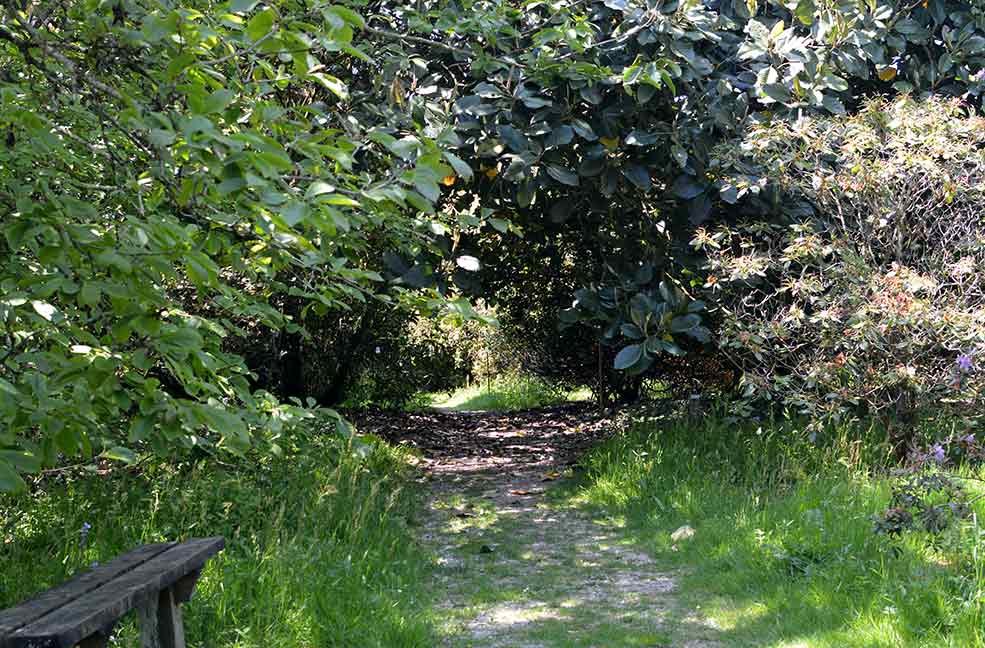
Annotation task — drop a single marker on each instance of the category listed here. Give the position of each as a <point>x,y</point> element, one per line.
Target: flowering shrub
<point>847,281</point>
<point>926,501</point>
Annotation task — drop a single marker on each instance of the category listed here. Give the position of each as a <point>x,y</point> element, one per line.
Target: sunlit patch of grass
<point>784,552</point>
<point>504,393</point>
<point>319,551</point>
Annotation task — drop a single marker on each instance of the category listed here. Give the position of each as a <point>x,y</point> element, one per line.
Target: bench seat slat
<point>82,584</point>
<point>84,616</point>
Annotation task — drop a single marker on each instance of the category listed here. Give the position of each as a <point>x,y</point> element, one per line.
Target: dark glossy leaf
<point>699,209</point>
<point>559,136</point>
<point>639,176</point>
<point>684,322</point>
<point>562,175</point>
<point>513,138</point>
<point>686,187</point>
<point>628,357</point>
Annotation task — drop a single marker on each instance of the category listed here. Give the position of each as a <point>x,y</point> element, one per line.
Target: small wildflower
<point>84,533</point>
<point>938,454</point>
<point>964,362</point>
<point>970,438</point>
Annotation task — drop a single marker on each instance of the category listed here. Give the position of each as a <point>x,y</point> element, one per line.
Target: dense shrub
<point>851,282</point>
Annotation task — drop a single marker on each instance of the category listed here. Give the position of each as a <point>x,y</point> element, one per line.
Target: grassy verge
<point>784,552</point>
<point>505,393</point>
<point>318,550</point>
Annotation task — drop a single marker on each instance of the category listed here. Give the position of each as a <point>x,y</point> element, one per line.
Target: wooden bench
<point>154,579</point>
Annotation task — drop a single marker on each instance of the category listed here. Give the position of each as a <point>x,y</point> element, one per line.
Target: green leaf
<point>684,323</point>
<point>118,453</point>
<point>294,212</point>
<point>673,349</point>
<point>628,357</point>
<point>638,176</point>
<point>513,138</point>
<point>777,92</point>
<point>559,136</point>
<point>317,188</point>
<point>835,82</point>
<point>833,104</point>
<point>242,6</point>
<point>22,461</point>
<point>44,309</point>
<point>584,130</point>
<point>217,101</point>
<point>260,25</point>
<point>9,388</point>
<point>680,155</point>
<point>805,11</point>
<point>686,187</point>
<point>348,15</point>
<point>10,481</point>
<point>562,175</point>
<point>332,84</point>
<point>463,170</point>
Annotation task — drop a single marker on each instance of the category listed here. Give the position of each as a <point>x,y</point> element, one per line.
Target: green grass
<point>504,393</point>
<point>784,552</point>
<point>318,553</point>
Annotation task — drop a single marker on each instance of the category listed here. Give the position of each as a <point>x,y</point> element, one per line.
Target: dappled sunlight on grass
<point>318,548</point>
<point>785,556</point>
<point>506,393</point>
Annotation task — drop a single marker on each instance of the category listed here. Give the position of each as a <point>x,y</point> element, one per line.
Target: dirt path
<point>519,564</point>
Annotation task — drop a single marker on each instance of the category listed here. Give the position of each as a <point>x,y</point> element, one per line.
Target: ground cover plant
<point>790,545</point>
<point>319,551</point>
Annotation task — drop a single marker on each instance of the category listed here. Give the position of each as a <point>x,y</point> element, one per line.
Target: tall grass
<point>784,552</point>
<point>318,549</point>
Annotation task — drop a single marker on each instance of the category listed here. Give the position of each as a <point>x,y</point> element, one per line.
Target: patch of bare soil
<point>516,568</point>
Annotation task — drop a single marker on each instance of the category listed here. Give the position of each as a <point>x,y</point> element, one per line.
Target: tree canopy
<point>173,170</point>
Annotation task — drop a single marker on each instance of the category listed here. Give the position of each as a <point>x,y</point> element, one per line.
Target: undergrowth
<point>318,549</point>
<point>785,550</point>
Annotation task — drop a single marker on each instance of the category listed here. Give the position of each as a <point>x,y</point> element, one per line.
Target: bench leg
<point>99,639</point>
<point>161,625</point>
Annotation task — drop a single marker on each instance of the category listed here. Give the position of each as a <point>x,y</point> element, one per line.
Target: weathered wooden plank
<point>80,618</point>
<point>33,609</point>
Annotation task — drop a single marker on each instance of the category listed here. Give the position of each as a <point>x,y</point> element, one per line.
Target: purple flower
<point>964,362</point>
<point>968,438</point>
<point>938,454</point>
<point>84,534</point>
